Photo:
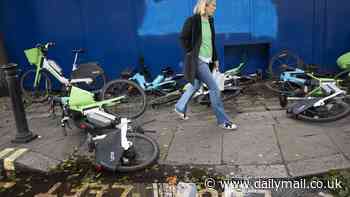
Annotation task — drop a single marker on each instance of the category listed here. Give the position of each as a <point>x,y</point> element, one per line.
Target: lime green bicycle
<point>36,84</point>
<point>117,145</point>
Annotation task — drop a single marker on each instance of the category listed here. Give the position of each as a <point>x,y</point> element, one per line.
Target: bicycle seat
<point>78,50</point>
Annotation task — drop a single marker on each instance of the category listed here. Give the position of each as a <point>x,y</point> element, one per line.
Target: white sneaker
<point>182,115</point>
<point>228,126</point>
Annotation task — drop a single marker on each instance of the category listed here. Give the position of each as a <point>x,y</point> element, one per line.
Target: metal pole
<point>23,134</point>
<point>3,60</point>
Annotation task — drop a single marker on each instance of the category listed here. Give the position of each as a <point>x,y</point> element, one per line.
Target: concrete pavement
<point>267,143</point>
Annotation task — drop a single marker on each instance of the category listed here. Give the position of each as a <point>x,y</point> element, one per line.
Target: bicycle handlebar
<point>50,44</point>
<point>46,46</point>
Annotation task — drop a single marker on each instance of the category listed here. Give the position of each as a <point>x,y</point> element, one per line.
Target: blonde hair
<point>200,6</point>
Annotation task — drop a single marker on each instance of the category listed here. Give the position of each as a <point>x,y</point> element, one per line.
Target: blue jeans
<point>204,75</point>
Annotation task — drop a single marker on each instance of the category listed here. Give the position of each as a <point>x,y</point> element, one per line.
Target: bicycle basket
<point>344,61</point>
<point>33,56</point>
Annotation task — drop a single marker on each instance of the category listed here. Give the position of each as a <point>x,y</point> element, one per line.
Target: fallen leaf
<point>171,180</point>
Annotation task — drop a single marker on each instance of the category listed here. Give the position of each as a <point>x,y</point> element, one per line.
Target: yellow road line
<point>6,151</point>
<point>155,190</point>
<point>9,161</point>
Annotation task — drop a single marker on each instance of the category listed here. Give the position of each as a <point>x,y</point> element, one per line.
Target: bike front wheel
<point>282,61</point>
<point>132,102</point>
<point>143,153</point>
<point>38,93</point>
<point>274,85</point>
<point>331,111</point>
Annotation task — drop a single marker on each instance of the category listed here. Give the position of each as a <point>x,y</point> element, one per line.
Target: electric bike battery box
<point>99,119</point>
<point>108,150</point>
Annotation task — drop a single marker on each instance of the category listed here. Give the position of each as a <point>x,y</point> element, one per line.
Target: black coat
<point>191,39</point>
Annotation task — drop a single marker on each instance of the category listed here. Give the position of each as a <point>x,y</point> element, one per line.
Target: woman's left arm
<point>215,56</point>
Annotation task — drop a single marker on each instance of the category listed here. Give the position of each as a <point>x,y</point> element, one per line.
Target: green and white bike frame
<point>82,101</point>
<point>326,87</point>
<point>53,68</point>
<point>37,58</point>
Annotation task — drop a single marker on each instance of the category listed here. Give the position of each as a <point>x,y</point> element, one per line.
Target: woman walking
<point>198,40</point>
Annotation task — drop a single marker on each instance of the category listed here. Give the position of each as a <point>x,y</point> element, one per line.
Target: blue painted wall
<point>116,33</point>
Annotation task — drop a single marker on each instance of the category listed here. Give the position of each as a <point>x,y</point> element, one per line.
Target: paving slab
<point>264,171</point>
<point>60,149</point>
<point>255,144</point>
<point>249,118</point>
<point>297,147</point>
<point>252,109</point>
<point>342,124</point>
<point>158,115</point>
<point>164,135</point>
<point>288,129</point>
<point>8,133</point>
<point>280,116</point>
<point>318,165</point>
<point>51,141</point>
<point>35,161</point>
<point>253,171</point>
<point>196,145</point>
<point>341,138</point>
<point>267,143</point>
<point>207,121</point>
<point>50,148</point>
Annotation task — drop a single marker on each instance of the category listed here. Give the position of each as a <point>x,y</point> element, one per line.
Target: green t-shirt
<point>206,49</point>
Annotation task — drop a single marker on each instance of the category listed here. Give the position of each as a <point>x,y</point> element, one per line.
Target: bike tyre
<point>149,161</point>
<point>28,96</point>
<point>339,116</point>
<point>131,86</point>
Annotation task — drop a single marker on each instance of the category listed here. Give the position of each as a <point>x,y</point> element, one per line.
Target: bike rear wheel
<point>281,61</point>
<point>331,111</point>
<point>156,101</point>
<point>143,153</point>
<point>133,103</point>
<point>274,86</point>
<point>35,94</point>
